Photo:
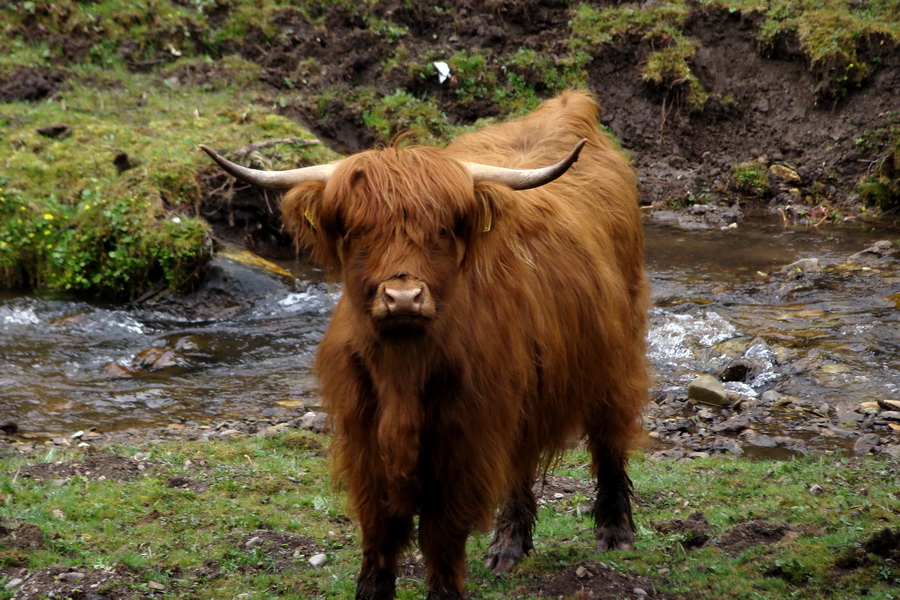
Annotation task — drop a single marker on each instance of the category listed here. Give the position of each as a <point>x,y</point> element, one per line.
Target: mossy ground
<point>217,519</point>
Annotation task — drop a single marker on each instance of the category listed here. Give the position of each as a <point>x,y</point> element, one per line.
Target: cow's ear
<point>301,210</point>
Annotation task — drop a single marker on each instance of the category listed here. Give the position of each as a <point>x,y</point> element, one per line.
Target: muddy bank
<point>809,142</point>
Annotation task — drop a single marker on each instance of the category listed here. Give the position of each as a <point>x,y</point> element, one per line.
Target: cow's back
<point>563,268</point>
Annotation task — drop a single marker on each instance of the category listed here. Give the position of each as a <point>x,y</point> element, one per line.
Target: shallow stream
<point>242,347</point>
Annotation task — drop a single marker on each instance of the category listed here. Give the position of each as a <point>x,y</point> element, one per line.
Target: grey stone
<point>846,413</point>
<point>770,397</point>
<point>314,421</point>
<point>729,445</point>
<point>804,265</point>
<point>760,440</point>
<point>790,443</point>
<point>865,444</point>
<point>732,425</point>
<point>873,254</point>
<point>708,390</point>
<point>318,560</point>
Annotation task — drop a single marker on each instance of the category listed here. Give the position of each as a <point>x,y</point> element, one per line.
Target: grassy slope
<point>280,484</point>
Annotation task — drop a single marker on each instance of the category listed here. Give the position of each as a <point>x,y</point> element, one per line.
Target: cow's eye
<point>443,233</point>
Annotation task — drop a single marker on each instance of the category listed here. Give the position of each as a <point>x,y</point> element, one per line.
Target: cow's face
<point>397,225</point>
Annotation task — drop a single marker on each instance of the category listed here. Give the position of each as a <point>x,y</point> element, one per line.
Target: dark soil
<point>592,580</point>
<point>31,83</point>
<point>882,547</point>
<point>752,533</point>
<point>885,543</point>
<point>117,468</point>
<point>696,530</point>
<point>80,584</point>
<point>24,537</point>
<point>282,550</point>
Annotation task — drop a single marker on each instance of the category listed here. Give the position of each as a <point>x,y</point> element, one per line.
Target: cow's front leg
<point>515,524</point>
<point>443,545</point>
<point>612,508</point>
<point>383,539</point>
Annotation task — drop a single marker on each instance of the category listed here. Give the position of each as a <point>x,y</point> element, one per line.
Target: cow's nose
<point>404,299</point>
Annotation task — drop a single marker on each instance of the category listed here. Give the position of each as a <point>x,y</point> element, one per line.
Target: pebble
<point>153,585</point>
<point>815,489</point>
<point>314,421</point>
<point>640,592</point>
<point>706,415</point>
<point>13,583</point>
<point>318,560</point>
<point>559,496</point>
<point>581,572</point>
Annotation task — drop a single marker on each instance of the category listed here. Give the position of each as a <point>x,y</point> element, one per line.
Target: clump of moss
<point>667,67</point>
<point>830,33</point>
<point>881,187</point>
<point>751,179</point>
<point>402,112</point>
<point>115,246</point>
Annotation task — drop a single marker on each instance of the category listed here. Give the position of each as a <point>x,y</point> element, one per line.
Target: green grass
<point>280,484</point>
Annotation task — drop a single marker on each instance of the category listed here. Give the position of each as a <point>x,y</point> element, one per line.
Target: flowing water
<point>244,345</point>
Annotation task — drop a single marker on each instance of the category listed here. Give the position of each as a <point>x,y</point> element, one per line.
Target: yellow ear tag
<point>487,220</point>
<point>308,214</point>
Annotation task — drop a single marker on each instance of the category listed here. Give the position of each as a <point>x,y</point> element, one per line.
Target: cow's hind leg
<point>515,524</point>
<point>383,540</point>
<point>612,508</point>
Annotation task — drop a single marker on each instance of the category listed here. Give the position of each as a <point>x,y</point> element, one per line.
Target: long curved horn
<point>277,181</point>
<point>525,179</point>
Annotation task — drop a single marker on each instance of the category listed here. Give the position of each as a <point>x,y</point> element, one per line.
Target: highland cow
<point>493,310</point>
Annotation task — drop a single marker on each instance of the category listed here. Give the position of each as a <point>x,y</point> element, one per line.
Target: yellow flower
<point>2,244</point>
<point>46,232</point>
<point>48,217</point>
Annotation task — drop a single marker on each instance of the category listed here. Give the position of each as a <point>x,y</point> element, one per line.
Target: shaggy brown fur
<point>538,337</point>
